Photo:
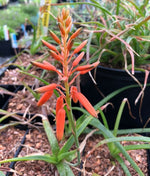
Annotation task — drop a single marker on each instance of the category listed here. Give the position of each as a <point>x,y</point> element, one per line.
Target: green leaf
<point>96,123</point>
<point>121,162</point>
<point>118,6</point>
<point>42,80</point>
<point>118,118</point>
<point>44,157</point>
<point>64,169</point>
<point>3,127</point>
<point>69,156</point>
<point>36,95</point>
<point>90,4</point>
<point>137,147</point>
<point>50,135</point>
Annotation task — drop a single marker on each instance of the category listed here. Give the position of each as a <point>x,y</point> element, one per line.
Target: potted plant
<point>5,41</point>
<point>120,40</point>
<point>62,153</point>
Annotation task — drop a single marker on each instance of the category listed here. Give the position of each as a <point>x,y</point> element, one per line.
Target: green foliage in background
<point>14,16</point>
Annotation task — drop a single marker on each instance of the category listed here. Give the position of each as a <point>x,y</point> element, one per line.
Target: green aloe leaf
<point>96,123</point>
<point>44,157</point>
<point>50,135</point>
<point>40,79</point>
<point>69,156</point>
<point>64,169</point>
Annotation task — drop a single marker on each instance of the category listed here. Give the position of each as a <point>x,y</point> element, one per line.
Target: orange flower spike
<point>44,65</point>
<point>80,47</point>
<point>50,46</point>
<point>57,40</point>
<point>60,124</point>
<point>45,97</point>
<point>86,104</point>
<point>75,34</point>
<point>47,88</point>
<point>78,59</point>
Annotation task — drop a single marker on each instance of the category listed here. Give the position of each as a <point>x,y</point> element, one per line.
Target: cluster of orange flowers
<point>68,74</point>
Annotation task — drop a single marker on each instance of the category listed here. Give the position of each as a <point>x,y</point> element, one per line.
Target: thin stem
<point>68,99</point>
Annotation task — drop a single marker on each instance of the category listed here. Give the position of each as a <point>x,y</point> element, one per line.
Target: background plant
<point>120,32</point>
<point>14,16</point>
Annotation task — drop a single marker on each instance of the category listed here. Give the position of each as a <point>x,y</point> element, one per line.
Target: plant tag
<point>14,42</point>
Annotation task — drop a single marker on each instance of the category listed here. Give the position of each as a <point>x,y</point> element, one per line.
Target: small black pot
<point>3,6</point>
<point>5,100</point>
<point>6,48</point>
<point>109,80</point>
<point>5,97</point>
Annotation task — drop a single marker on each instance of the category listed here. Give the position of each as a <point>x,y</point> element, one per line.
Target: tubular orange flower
<point>46,96</point>
<point>51,66</point>
<point>55,56</point>
<point>62,30</point>
<point>47,88</point>
<point>75,34</point>
<point>86,104</point>
<point>68,21</point>
<point>45,65</point>
<point>73,92</point>
<point>80,47</point>
<point>57,40</point>
<point>78,59</point>
<point>50,46</point>
<point>87,67</point>
<point>70,44</point>
<point>60,124</point>
<point>59,103</point>
<point>69,27</point>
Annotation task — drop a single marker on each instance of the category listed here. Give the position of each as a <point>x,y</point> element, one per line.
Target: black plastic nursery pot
<point>5,101</point>
<point>3,7</point>
<point>5,97</point>
<point>109,80</point>
<point>6,48</point>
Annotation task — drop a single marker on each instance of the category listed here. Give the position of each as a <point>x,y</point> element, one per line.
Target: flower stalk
<point>70,71</point>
